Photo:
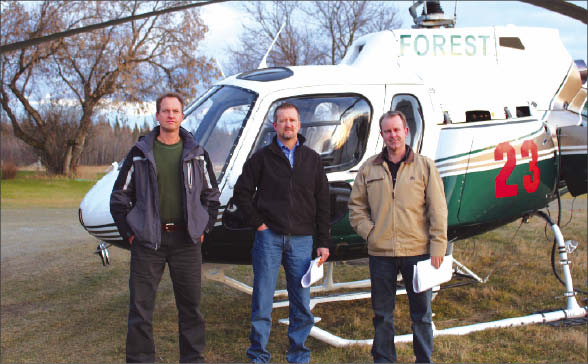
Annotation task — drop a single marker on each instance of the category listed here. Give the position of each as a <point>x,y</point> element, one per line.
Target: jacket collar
<point>276,148</point>
<point>146,143</point>
<point>381,158</point>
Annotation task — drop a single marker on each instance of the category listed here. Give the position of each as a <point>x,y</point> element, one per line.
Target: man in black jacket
<point>291,205</point>
<point>163,202</point>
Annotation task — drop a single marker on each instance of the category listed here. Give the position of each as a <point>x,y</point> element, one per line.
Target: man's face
<point>394,133</point>
<point>170,114</point>
<point>287,124</point>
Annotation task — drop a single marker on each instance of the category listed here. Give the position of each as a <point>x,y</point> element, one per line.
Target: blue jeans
<point>383,276</point>
<point>270,250</point>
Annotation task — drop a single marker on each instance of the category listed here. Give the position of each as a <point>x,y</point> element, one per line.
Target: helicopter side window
<point>411,108</point>
<point>335,126</point>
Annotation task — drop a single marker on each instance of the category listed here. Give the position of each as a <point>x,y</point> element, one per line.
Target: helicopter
<point>501,110</point>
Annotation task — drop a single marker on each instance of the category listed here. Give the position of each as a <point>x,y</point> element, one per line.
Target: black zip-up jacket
<point>134,202</point>
<point>292,201</point>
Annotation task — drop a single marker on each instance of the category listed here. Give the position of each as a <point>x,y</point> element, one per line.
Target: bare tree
<point>107,143</point>
<point>126,62</point>
<point>344,21</point>
<point>14,149</point>
<point>318,32</point>
<point>293,47</point>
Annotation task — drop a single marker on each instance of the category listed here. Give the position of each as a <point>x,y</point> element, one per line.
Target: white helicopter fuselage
<point>484,103</point>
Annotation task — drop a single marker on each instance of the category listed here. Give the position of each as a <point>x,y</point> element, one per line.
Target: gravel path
<point>39,230</point>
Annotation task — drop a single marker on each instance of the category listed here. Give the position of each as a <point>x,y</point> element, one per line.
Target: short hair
<point>285,105</point>
<point>169,94</point>
<point>391,114</point>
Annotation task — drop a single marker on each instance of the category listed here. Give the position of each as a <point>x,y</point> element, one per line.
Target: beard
<point>288,135</point>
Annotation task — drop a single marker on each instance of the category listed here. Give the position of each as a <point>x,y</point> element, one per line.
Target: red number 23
<point>530,182</point>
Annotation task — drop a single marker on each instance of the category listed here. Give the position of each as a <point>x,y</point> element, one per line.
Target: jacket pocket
<point>374,185</point>
<point>373,179</point>
<point>193,172</point>
<point>141,169</point>
<point>190,174</point>
<point>196,173</point>
<point>376,192</point>
<point>370,236</point>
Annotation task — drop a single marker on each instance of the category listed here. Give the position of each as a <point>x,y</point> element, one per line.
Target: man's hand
<point>436,262</point>
<point>323,253</point>
<point>202,238</point>
<point>131,239</point>
<point>262,227</point>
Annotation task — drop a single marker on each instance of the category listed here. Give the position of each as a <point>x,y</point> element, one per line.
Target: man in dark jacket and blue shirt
<point>163,202</point>
<point>291,205</point>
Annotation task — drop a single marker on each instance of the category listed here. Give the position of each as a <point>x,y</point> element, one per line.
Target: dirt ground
<point>30,232</point>
<point>50,229</point>
<point>46,258</point>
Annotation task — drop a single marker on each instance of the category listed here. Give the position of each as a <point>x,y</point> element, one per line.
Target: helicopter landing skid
<point>216,272</point>
<point>573,310</point>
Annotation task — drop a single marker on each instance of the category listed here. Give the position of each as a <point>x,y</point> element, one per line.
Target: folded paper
<point>426,276</point>
<point>313,274</point>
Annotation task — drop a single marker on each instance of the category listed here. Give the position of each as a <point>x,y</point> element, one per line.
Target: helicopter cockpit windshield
<point>217,119</point>
<point>335,126</point>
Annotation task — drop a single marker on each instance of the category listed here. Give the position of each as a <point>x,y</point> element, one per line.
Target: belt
<point>172,226</point>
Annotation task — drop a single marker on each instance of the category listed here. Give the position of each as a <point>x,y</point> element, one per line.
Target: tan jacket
<point>406,220</point>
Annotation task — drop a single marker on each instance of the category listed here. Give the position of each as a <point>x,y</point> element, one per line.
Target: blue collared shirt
<point>287,152</point>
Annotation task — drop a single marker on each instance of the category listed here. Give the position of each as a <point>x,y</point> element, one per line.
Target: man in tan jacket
<point>398,206</point>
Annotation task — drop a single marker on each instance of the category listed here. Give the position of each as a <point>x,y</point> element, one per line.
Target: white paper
<point>426,276</point>
<point>313,274</point>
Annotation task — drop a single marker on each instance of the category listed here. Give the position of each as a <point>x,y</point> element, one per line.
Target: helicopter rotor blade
<point>55,36</point>
<point>562,7</point>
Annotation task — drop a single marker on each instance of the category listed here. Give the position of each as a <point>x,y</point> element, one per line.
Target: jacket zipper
<point>190,164</point>
<point>394,189</point>
<point>290,185</point>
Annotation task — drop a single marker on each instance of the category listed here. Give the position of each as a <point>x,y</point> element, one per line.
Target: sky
<point>225,19</point>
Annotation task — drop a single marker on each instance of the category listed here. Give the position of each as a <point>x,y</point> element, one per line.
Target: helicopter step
<point>102,252</point>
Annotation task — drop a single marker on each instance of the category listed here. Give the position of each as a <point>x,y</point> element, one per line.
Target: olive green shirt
<point>168,160</point>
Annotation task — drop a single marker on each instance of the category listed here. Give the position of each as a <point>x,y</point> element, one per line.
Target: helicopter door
<point>411,108</point>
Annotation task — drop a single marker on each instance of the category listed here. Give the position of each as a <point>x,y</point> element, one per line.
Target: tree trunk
<point>77,146</point>
<point>67,161</point>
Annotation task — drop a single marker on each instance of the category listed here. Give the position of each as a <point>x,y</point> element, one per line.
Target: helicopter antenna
<point>455,13</point>
<point>263,63</point>
<point>220,68</point>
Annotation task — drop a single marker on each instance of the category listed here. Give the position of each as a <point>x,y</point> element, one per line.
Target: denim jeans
<point>383,276</point>
<point>270,250</point>
<point>184,260</point>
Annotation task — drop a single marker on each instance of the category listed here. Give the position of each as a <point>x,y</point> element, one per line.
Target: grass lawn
<point>36,189</point>
<point>65,307</point>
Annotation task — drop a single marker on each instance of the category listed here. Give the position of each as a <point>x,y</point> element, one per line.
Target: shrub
<point>8,170</point>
